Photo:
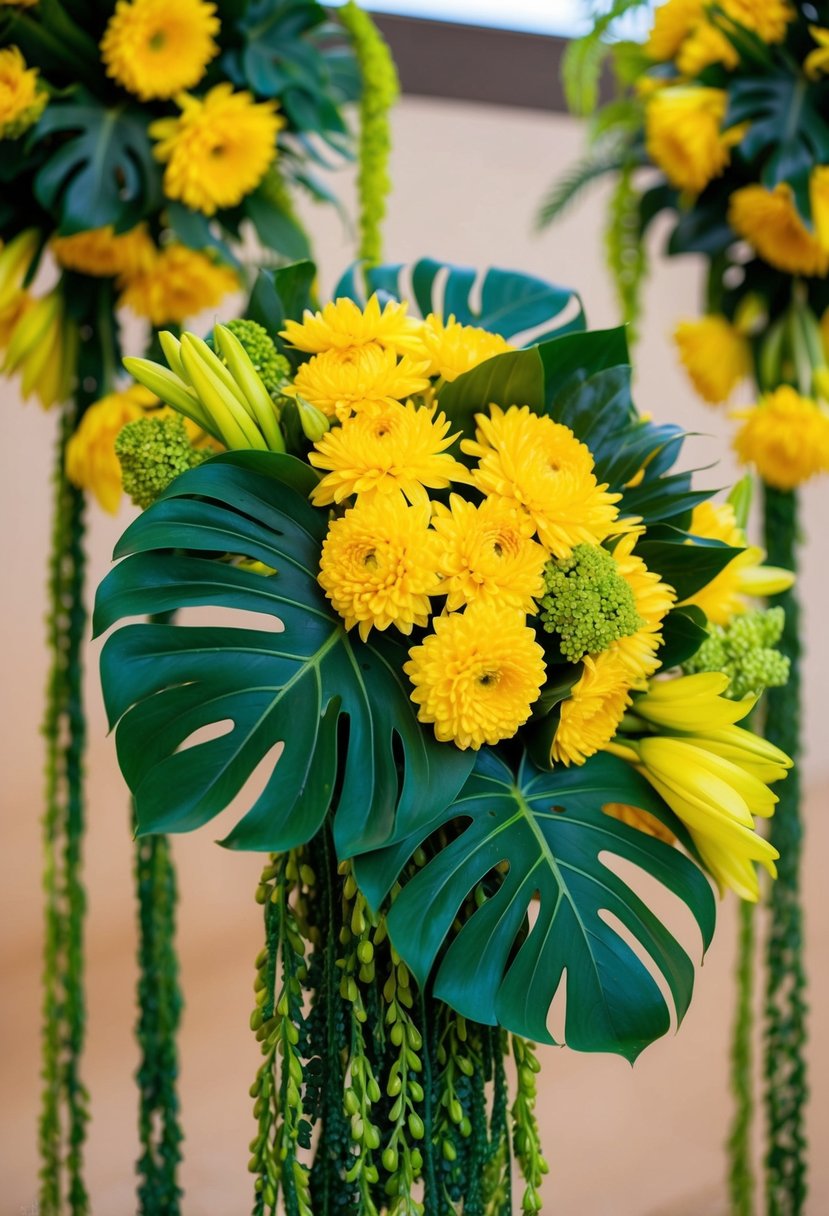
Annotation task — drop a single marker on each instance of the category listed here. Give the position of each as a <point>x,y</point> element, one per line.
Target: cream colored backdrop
<point>645,1141</point>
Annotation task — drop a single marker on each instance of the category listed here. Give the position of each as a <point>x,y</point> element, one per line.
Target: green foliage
<point>585,57</point>
<point>587,602</point>
<point>745,649</point>
<point>626,251</point>
<point>550,830</point>
<point>295,686</point>
<point>152,453</point>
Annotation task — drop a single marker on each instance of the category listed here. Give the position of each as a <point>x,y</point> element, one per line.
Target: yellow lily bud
<point>15,260</point>
<point>691,703</point>
<point>313,421</point>
<point>236,428</point>
<point>170,389</point>
<point>172,352</point>
<point>250,383</point>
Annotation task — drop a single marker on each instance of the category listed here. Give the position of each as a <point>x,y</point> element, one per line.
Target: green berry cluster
<point>745,650</point>
<point>526,1137</point>
<point>587,602</point>
<point>273,368</point>
<point>152,452</point>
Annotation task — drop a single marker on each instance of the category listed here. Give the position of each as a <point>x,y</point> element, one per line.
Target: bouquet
<point>470,671</point>
<point>721,123</point>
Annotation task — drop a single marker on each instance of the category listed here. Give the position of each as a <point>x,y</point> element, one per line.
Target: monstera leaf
<point>548,831</point>
<point>339,708</point>
<point>102,171</point>
<point>511,303</point>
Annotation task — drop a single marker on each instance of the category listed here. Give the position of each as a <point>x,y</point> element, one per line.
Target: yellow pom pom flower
<point>379,565</point>
<point>590,716</point>
<point>384,451</point>
<point>103,253</point>
<point>653,600</point>
<point>174,283</point>
<point>454,348</point>
<point>540,466</point>
<point>155,48</point>
<point>715,355</point>
<point>683,135</point>
<point>22,101</point>
<point>769,221</point>
<point>786,438</point>
<point>218,149</point>
<point>486,554</point>
<point>477,676</point>
<point>342,324</point>
<point>745,575</point>
<point>91,463</point>
<point>342,382</point>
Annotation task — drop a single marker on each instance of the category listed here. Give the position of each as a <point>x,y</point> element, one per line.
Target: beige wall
<point>622,1142</point>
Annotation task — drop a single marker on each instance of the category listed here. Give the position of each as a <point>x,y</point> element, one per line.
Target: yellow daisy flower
<point>715,355</point>
<point>155,48</point>
<point>786,438</point>
<point>683,135</point>
<point>477,676</point>
<point>769,221</point>
<point>386,450</point>
<point>342,382</point>
<point>91,463</point>
<point>653,600</point>
<point>218,149</point>
<point>540,466</point>
<point>103,253</point>
<point>590,716</point>
<point>816,63</point>
<point>379,565</point>
<point>486,553</point>
<point>454,348</point>
<point>22,101</point>
<point>343,324</point>
<point>175,283</point>
<point>745,575</point>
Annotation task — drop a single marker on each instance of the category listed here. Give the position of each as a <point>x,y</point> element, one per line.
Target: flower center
<point>157,41</point>
<point>370,560</point>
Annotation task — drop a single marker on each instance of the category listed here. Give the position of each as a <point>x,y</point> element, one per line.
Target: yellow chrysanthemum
<point>386,450</point>
<point>103,253</point>
<point>816,63</point>
<point>672,23</point>
<point>539,465</point>
<point>343,324</point>
<point>653,600</point>
<point>683,135</point>
<point>218,149</point>
<point>786,438</point>
<point>768,19</point>
<point>590,716</point>
<point>715,356</point>
<point>454,348</point>
<point>22,101</point>
<point>155,48</point>
<point>745,575</point>
<point>477,676</point>
<point>91,463</point>
<point>643,821</point>
<point>486,553</point>
<point>379,565</point>
<point>342,382</point>
<point>176,283</point>
<point>768,220</point>
<point>704,46</point>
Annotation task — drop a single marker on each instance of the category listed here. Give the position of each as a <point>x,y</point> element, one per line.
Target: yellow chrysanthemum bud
<point>786,438</point>
<point>715,356</point>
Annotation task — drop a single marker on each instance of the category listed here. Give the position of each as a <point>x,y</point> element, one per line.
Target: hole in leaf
<point>211,730</point>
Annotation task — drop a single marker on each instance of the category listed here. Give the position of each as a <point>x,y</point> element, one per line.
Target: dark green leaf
<point>683,631</point>
<point>298,686</point>
<point>276,229</point>
<point>513,378</point>
<point>569,356</point>
<point>280,295</point>
<point>505,966</point>
<point>670,558</point>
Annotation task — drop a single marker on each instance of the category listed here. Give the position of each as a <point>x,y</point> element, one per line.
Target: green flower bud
<point>587,602</point>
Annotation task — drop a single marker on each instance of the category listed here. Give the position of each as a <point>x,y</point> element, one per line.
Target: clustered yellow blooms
<point>685,31</point>
<point>391,550</point>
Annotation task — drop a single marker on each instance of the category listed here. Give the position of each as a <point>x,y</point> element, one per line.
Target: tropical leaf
<point>511,303</point>
<point>608,156</point>
<point>339,706</point>
<point>102,171</point>
<point>548,831</point>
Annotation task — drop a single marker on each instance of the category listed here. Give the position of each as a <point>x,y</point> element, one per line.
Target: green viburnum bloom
<point>152,452</point>
<point>745,650</point>
<point>587,602</point>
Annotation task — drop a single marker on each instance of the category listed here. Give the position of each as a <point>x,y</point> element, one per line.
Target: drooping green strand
<point>786,1009</point>
<point>453,1122</point>
<point>159,1005</point>
<point>498,1171</point>
<point>626,252</point>
<point>380,89</point>
<point>741,1173</point>
<point>525,1135</point>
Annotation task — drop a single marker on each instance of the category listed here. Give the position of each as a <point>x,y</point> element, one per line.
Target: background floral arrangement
<point>494,669</point>
<point>141,144</point>
<point>722,122</point>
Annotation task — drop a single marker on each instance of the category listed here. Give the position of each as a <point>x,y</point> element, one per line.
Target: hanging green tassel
<point>380,91</point>
<point>785,1032</point>
<point>741,1173</point>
